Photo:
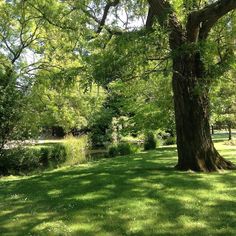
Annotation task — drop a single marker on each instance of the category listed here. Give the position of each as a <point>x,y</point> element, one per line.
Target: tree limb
<point>150,18</point>
<point>166,17</point>
<point>200,22</point>
<point>105,13</point>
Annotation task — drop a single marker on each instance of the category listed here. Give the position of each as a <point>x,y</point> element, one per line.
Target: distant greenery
<point>26,159</point>
<point>122,149</point>
<point>149,141</point>
<point>76,149</point>
<point>223,103</point>
<point>130,195</point>
<point>169,140</point>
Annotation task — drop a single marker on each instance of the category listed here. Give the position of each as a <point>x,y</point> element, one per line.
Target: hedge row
<point>28,159</point>
<point>122,149</point>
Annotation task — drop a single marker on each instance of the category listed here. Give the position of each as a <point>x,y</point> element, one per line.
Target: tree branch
<point>166,17</point>
<point>150,18</point>
<point>105,13</point>
<point>200,22</point>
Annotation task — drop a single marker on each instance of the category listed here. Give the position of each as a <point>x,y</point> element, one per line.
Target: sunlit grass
<point>136,195</point>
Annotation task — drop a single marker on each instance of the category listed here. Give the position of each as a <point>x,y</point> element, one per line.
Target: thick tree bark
<point>195,147</point>
<point>190,87</point>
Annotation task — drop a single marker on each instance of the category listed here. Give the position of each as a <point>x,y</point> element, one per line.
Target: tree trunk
<point>212,129</point>
<point>230,132</point>
<point>195,147</point>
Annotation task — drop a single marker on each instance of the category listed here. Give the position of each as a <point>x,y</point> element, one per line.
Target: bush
<point>76,149</point>
<point>53,155</point>
<point>122,149</point>
<point>113,151</point>
<point>58,154</point>
<point>169,141</point>
<point>19,160</point>
<point>149,141</point>
<point>135,147</point>
<point>29,160</point>
<point>45,153</point>
<point>26,159</point>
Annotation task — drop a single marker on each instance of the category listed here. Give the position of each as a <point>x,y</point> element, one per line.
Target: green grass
<point>137,195</point>
<point>222,135</point>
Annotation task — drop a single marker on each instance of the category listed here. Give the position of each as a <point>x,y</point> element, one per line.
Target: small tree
<point>12,102</point>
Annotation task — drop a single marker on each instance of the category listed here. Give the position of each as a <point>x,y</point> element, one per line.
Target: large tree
<point>190,86</point>
<point>187,28</point>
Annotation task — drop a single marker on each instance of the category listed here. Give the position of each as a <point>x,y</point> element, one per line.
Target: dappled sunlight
<point>137,195</point>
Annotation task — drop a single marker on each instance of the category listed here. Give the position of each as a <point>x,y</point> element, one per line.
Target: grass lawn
<point>136,195</point>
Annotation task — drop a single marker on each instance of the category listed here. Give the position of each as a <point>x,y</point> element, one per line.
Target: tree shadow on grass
<point>137,195</point>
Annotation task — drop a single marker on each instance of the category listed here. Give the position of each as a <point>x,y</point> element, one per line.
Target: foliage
<point>146,106</point>
<point>170,140</point>
<point>100,125</point>
<point>18,160</point>
<point>122,149</point>
<point>13,107</point>
<point>53,155</point>
<point>223,101</point>
<point>67,106</point>
<point>76,149</point>
<point>17,34</point>
<point>41,66</point>
<point>51,45</point>
<point>113,151</point>
<point>149,141</point>
<point>27,159</point>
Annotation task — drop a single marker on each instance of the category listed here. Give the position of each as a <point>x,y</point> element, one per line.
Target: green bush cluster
<point>150,141</point>
<point>169,141</point>
<point>76,149</point>
<point>51,156</point>
<point>122,149</point>
<point>18,160</point>
<point>28,159</point>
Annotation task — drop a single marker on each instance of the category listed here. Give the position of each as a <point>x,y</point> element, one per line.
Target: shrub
<point>58,154</point>
<point>19,160</point>
<point>113,151</point>
<point>135,148</point>
<point>45,153</point>
<point>26,159</point>
<point>149,141</point>
<point>122,149</point>
<point>30,160</point>
<point>169,141</point>
<point>76,149</point>
<point>52,156</point>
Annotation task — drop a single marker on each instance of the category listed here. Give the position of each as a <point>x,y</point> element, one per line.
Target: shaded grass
<point>222,135</point>
<point>137,195</point>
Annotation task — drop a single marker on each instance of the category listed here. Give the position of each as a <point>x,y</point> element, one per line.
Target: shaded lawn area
<point>222,135</point>
<point>137,195</point>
